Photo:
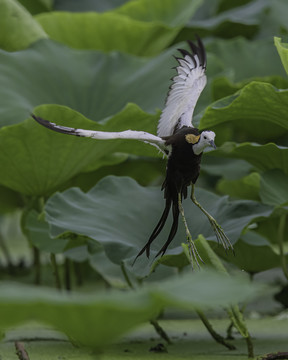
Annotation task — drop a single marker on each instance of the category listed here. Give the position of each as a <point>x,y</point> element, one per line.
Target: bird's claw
<point>193,252</point>
<point>222,238</point>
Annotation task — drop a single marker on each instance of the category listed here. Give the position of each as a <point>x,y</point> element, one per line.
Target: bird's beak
<point>212,144</point>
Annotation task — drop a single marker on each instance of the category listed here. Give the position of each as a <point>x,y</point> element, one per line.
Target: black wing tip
<point>52,126</point>
<point>198,50</point>
<point>43,122</point>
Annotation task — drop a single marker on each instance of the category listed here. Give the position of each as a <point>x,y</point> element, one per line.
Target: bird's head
<point>206,139</point>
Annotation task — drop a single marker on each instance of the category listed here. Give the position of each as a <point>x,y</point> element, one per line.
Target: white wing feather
<point>103,135</point>
<point>183,95</point>
<point>184,92</point>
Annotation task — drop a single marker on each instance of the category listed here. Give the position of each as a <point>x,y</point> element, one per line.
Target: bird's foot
<point>222,238</point>
<point>193,253</point>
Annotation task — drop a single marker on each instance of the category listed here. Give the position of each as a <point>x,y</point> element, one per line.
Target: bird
<point>176,138</point>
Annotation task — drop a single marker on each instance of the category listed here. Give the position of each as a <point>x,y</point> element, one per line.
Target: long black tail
<point>173,231</point>
<point>157,229</point>
<point>170,200</point>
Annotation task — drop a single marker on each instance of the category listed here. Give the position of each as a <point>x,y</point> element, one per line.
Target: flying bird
<point>179,140</point>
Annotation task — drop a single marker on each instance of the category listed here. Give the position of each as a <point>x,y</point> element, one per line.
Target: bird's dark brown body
<point>183,165</point>
<point>183,168</point>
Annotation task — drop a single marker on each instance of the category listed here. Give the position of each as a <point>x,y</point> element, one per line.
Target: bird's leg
<point>220,235</point>
<point>193,252</point>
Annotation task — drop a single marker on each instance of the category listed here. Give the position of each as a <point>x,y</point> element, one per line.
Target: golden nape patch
<point>192,139</point>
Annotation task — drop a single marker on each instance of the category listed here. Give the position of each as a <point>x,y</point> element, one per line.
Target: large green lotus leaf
<point>191,290</point>
<point>263,157</point>
<point>37,6</point>
<point>37,232</point>
<point>18,29</point>
<point>121,214</point>
<point>96,320</point>
<point>222,86</point>
<point>254,254</point>
<point>244,188</point>
<point>258,19</point>
<point>282,49</point>
<point>230,169</point>
<point>259,110</point>
<point>107,269</point>
<point>274,187</point>
<point>118,32</point>
<point>228,22</point>
<point>144,170</point>
<point>170,12</point>
<point>97,85</point>
<point>231,65</point>
<point>142,27</point>
<point>10,200</point>
<point>270,228</point>
<point>244,59</point>
<point>208,257</point>
<point>36,161</point>
<point>274,20</point>
<point>237,66</point>
<point>144,10</point>
<point>91,320</point>
<point>87,5</point>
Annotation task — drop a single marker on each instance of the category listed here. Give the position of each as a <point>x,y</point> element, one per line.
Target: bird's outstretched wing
<point>185,90</point>
<point>102,135</point>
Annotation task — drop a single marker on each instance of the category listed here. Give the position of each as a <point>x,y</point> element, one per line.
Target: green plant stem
<point>229,335</point>
<point>6,253</point>
<point>250,346</point>
<point>36,203</point>
<point>55,271</point>
<point>125,274</point>
<point>67,275</point>
<point>281,230</point>
<point>159,330</point>
<point>218,338</point>
<point>239,323</point>
<point>77,273</point>
<point>37,265</point>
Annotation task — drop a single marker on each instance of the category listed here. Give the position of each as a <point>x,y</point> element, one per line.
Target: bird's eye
<point>205,137</point>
